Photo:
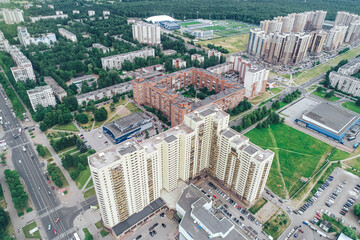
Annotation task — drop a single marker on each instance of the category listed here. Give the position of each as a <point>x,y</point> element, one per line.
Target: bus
<point>76,236</point>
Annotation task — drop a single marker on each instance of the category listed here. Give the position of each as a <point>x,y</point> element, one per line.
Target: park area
<point>296,155</point>
<point>234,44</point>
<point>351,106</point>
<point>277,224</point>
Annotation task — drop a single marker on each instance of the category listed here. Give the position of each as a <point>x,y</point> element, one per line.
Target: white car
<point>49,227</point>
<point>19,161</point>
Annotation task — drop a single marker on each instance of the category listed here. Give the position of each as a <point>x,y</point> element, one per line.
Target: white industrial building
<point>25,38</point>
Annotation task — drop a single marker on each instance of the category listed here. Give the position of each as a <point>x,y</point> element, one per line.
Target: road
<point>45,201</point>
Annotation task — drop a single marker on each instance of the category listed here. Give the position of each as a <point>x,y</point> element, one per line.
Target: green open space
<point>293,76</point>
<point>322,95</point>
<point>62,177</point>
<point>277,224</point>
<point>354,163</point>
<point>98,224</point>
<point>324,67</point>
<point>258,205</point>
<point>104,233</point>
<point>82,178</point>
<point>90,183</point>
<point>66,150</point>
<point>89,193</point>
<point>234,44</point>
<point>47,153</point>
<point>261,98</point>
<point>28,227</point>
<point>67,127</point>
<point>214,28</point>
<point>185,24</point>
<point>296,155</point>
<point>133,108</point>
<point>276,90</point>
<point>351,106</point>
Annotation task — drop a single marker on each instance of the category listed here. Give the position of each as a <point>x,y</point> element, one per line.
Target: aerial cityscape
<point>179,119</point>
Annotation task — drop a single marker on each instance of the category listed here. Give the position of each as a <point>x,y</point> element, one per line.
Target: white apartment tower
<point>43,95</point>
<point>146,33</point>
<point>335,37</point>
<point>12,16</point>
<point>24,69</point>
<point>129,176</point>
<point>4,43</point>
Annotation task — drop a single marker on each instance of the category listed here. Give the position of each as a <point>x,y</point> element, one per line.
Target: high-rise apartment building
<point>317,41</point>
<point>129,176</point>
<point>25,38</point>
<point>345,18</point>
<point>12,16</point>
<point>146,33</point>
<point>335,37</point>
<point>116,61</point>
<point>24,69</point>
<point>43,95</point>
<point>67,34</point>
<point>353,32</point>
<point>4,43</point>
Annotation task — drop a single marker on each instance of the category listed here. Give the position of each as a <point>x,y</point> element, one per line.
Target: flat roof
<point>329,117</point>
<point>120,228</point>
<point>170,139</point>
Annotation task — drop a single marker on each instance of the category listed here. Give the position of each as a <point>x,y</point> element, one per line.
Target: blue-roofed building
<point>127,127</point>
<point>170,25</point>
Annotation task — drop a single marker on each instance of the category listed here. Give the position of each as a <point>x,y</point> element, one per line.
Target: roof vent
<point>102,155</point>
<point>261,156</point>
<point>177,128</point>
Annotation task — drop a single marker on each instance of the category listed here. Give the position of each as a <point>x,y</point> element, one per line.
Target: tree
<point>100,114</point>
<point>330,94</point>
<point>319,89</point>
<point>41,150</point>
<point>82,118</point>
<point>357,103</point>
<point>4,221</point>
<point>112,107</point>
<point>276,105</point>
<point>70,102</point>
<point>350,232</point>
<point>357,209</point>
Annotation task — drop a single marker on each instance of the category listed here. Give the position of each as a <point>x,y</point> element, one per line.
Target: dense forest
<point>249,11</point>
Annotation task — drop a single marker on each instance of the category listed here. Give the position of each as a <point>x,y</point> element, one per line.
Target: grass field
<point>62,177</point>
<point>322,68</point>
<point>276,90</point>
<point>67,127</point>
<point>258,205</point>
<point>90,183</point>
<point>340,155</point>
<point>28,227</point>
<point>351,106</point>
<point>82,178</point>
<point>261,98</point>
<point>133,108</point>
<point>89,193</point>
<point>355,163</point>
<point>322,95</point>
<point>104,233</point>
<point>296,155</point>
<point>185,24</point>
<point>277,224</point>
<point>233,44</point>
<point>293,76</point>
<point>214,28</point>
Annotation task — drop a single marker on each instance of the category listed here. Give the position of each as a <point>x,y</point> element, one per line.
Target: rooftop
<point>38,89</point>
<point>329,117</point>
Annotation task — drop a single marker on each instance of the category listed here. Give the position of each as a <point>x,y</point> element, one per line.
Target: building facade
<point>25,38</point>
<point>116,61</point>
<point>4,43</point>
<point>178,63</point>
<point>43,95</point>
<point>342,79</point>
<point>215,53</point>
<point>23,69</point>
<point>335,37</point>
<point>146,33</point>
<point>68,35</point>
<point>198,57</point>
<point>12,16</point>
<point>101,47</point>
<point>129,176</point>
<point>59,14</point>
<point>59,92</point>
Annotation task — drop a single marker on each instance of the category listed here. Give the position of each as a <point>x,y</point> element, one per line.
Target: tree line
<point>18,194</point>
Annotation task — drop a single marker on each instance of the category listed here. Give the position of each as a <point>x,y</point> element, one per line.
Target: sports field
<point>185,24</point>
<point>214,28</point>
<point>233,44</point>
<point>296,155</point>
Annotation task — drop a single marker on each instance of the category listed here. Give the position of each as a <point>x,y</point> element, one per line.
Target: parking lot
<point>243,220</point>
<point>169,232</point>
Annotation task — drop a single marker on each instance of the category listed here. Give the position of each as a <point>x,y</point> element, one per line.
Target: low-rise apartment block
<point>343,80</point>
<point>108,92</point>
<point>4,43</point>
<point>59,14</point>
<point>198,57</point>
<point>59,92</point>
<point>41,96</point>
<point>24,69</point>
<point>129,176</point>
<point>91,13</point>
<point>67,34</point>
<point>213,52</point>
<point>25,38</point>
<point>116,61</point>
<point>160,92</point>
<point>146,33</point>
<point>12,16</point>
<point>178,63</point>
<point>101,47</point>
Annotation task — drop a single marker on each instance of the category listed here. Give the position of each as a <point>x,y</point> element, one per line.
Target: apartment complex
<point>287,40</point>
<point>352,22</point>
<point>253,76</point>
<point>24,69</point>
<point>4,43</point>
<point>178,63</point>
<point>59,92</point>
<point>41,96</point>
<point>25,38</point>
<point>101,47</point>
<point>160,92</point>
<point>116,61</point>
<point>12,16</point>
<point>198,57</point>
<point>342,79</point>
<point>59,14</point>
<point>146,33</point>
<point>129,176</point>
<point>68,35</point>
<point>336,37</point>
<point>215,53</point>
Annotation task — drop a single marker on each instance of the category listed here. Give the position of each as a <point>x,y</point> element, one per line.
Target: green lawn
<point>258,205</point>
<point>98,224</point>
<point>261,98</point>
<point>89,193</point>
<point>234,43</point>
<point>66,150</point>
<point>298,154</point>
<point>351,106</point>
<point>214,28</point>
<point>185,24</point>
<point>276,90</point>
<point>133,108</point>
<point>47,153</point>
<point>104,233</point>
<point>82,178</point>
<point>277,224</point>
<point>90,183</point>
<point>28,227</point>
<point>322,95</point>
<point>67,127</point>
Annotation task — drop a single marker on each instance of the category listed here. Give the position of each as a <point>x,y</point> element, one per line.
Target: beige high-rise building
<point>300,22</point>
<point>317,41</point>
<point>345,18</point>
<point>353,32</point>
<point>288,23</point>
<point>318,20</point>
<point>129,176</point>
<point>335,37</point>
<point>146,33</point>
